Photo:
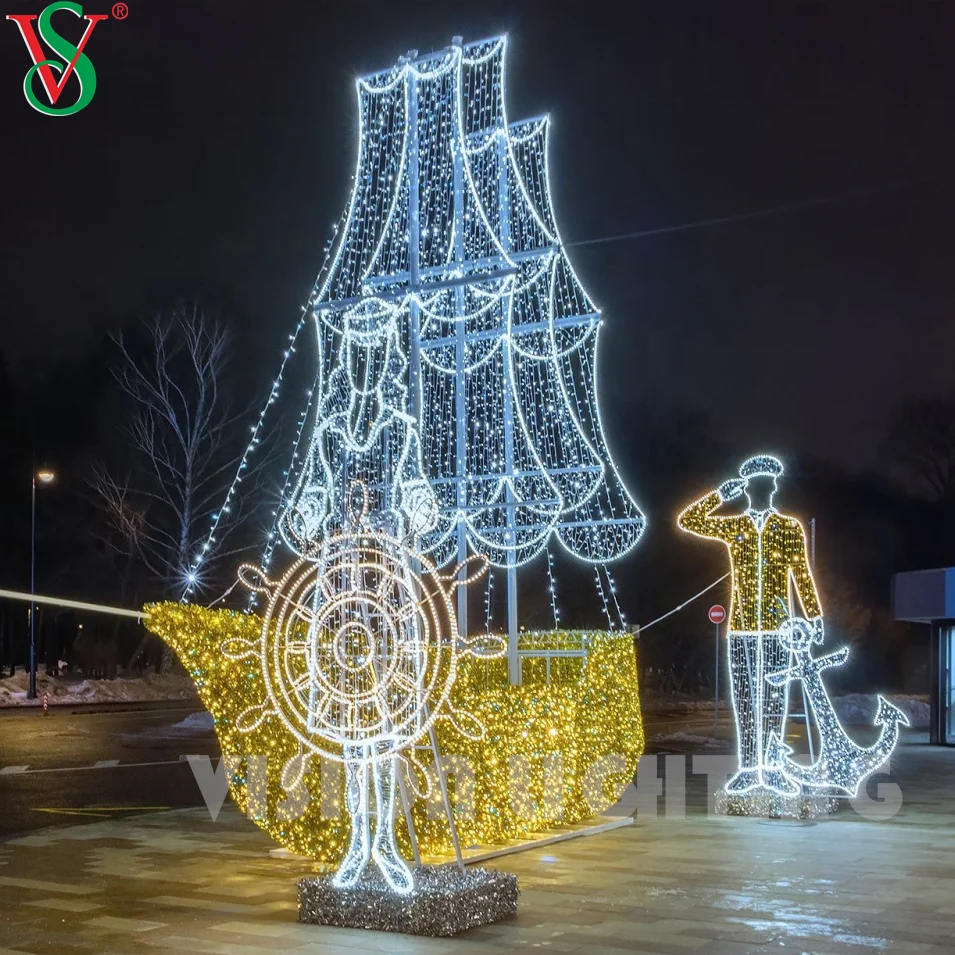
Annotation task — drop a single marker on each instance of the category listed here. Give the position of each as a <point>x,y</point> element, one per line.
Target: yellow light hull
<point>554,752</point>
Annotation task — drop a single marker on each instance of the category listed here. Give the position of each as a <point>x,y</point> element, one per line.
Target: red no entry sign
<point>717,614</point>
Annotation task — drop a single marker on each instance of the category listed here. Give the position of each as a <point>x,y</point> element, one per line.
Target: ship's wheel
<point>357,645</point>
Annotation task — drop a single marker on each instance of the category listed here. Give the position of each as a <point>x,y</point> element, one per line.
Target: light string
<point>603,598</point>
<point>205,548</point>
<point>644,627</point>
<point>288,475</point>
<point>498,304</point>
<point>552,589</point>
<point>613,594</point>
<point>192,576</point>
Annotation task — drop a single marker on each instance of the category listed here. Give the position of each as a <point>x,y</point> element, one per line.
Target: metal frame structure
<point>450,226</point>
<point>442,177</point>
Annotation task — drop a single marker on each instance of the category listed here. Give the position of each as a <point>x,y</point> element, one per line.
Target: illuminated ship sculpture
<point>450,234</point>
<point>457,377</point>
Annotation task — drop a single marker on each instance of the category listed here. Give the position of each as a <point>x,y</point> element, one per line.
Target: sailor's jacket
<point>764,560</point>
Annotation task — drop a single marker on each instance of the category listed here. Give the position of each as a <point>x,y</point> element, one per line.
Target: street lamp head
<point>45,476</point>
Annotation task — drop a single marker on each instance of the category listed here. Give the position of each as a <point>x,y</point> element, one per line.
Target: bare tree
<point>920,446</point>
<point>123,526</point>
<point>184,441</point>
<point>122,534</point>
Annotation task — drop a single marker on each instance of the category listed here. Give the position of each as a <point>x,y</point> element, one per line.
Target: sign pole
<point>716,682</point>
<point>717,615</point>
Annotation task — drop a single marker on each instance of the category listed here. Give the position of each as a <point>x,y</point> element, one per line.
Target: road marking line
<point>102,812</point>
<point>105,763</point>
<point>26,771</point>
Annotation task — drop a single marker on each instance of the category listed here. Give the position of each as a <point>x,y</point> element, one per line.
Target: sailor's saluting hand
<point>730,490</point>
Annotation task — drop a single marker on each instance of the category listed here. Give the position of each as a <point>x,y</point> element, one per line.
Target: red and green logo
<point>72,60</point>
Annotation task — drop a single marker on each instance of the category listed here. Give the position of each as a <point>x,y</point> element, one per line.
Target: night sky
<point>216,155</point>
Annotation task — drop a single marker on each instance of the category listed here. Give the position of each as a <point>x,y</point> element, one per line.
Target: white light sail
<point>451,226</point>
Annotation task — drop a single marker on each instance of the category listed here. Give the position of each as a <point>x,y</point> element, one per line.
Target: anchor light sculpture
<point>841,763</point>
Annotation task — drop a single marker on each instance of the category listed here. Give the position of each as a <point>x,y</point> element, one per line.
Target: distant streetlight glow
<point>44,476</point>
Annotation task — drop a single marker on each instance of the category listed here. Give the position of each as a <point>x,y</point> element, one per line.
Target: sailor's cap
<point>761,465</point>
<point>367,324</point>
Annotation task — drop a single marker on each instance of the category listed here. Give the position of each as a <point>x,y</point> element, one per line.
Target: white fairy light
<point>454,408</point>
<point>487,601</point>
<point>357,669</point>
<point>500,334</point>
<point>289,477</point>
<point>770,646</point>
<point>612,588</point>
<point>840,763</point>
<point>552,588</point>
<point>192,577</point>
<point>603,597</point>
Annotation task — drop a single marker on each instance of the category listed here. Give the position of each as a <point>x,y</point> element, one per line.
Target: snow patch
<point>691,739</point>
<point>674,704</point>
<point>860,709</point>
<point>71,691</point>
<point>193,724</point>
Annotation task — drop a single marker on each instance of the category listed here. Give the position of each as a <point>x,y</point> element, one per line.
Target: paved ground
<point>94,759</point>
<point>174,881</point>
<point>113,760</point>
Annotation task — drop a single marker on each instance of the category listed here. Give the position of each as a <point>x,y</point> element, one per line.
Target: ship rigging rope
<point>685,603</point>
<point>122,612</point>
<point>755,214</point>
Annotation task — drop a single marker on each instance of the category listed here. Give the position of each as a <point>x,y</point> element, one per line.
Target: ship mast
<point>439,214</point>
<point>450,233</point>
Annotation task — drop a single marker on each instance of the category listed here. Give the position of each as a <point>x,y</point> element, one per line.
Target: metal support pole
<point>414,226</point>
<point>460,385</point>
<point>406,807</point>
<point>716,683</point>
<point>414,254</point>
<point>945,636</point>
<point>31,693</point>
<point>445,796</point>
<point>513,658</point>
<point>802,685</point>
<point>938,680</point>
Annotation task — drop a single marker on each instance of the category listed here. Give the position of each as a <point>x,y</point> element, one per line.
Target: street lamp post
<point>44,476</point>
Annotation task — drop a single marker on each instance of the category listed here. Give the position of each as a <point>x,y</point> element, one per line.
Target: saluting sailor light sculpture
<point>770,645</point>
